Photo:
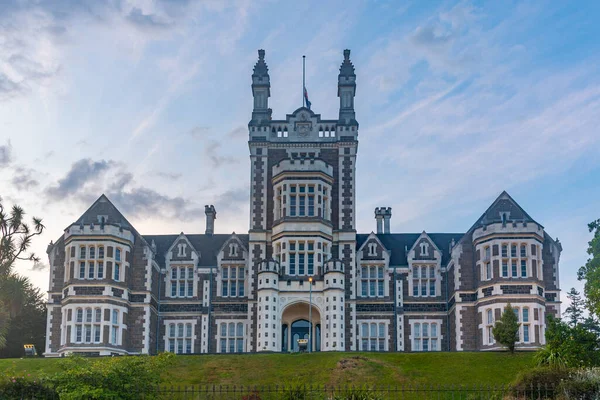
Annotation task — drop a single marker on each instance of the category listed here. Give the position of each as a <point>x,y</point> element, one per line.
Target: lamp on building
<point>310,327</point>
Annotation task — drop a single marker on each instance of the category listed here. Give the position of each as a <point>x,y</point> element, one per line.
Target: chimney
<point>383,216</point>
<point>379,219</point>
<point>211,215</point>
<point>387,216</point>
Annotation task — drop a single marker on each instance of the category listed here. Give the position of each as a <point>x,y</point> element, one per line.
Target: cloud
<point>171,176</point>
<point>238,133</point>
<point>81,172</point>
<point>5,154</point>
<point>428,36</point>
<point>148,203</point>
<point>211,151</point>
<point>198,131</point>
<point>147,22</point>
<point>233,199</point>
<point>23,179</point>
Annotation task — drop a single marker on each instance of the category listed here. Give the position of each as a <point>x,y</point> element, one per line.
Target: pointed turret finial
<point>260,68</point>
<point>347,91</point>
<point>261,90</point>
<point>261,54</point>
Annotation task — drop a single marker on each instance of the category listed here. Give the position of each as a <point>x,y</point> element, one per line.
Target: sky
<point>149,101</point>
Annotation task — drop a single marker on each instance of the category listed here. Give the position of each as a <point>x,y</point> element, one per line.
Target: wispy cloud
<point>77,177</point>
<point>23,179</point>
<point>6,156</point>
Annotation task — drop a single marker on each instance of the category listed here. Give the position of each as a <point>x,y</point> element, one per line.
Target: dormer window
<point>181,249</point>
<point>372,249</point>
<point>424,248</point>
<point>233,247</point>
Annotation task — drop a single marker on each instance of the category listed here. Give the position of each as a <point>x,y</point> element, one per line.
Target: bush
<point>357,394</point>
<point>541,382</point>
<point>115,377</point>
<point>24,387</point>
<point>581,385</point>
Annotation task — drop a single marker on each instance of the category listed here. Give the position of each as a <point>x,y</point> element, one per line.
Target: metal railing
<point>312,392</point>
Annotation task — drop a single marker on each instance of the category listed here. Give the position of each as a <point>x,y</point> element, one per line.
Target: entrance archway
<point>295,325</point>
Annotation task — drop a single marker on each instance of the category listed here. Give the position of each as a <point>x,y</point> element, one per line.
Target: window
<point>181,249</point>
<point>523,268</point>
<point>231,337</point>
<point>373,336</point>
<point>490,325</point>
<point>424,281</point>
<point>114,336</point>
<point>488,270</point>
<point>525,324</point>
<point>82,252</point>
<point>513,250</point>
<point>425,336</point>
<point>523,250</point>
<point>301,258</point>
<point>92,252</point>
<point>504,250</point>
<point>100,252</point>
<point>100,269</point>
<point>87,325</point>
<point>514,268</point>
<point>424,248</point>
<point>179,338</point>
<point>505,268</point>
<point>182,281</point>
<point>117,272</point>
<point>372,249</point>
<point>486,253</point>
<point>82,270</point>
<point>91,269</point>
<point>233,247</point>
<point>293,201</point>
<point>232,282</point>
<point>117,254</point>
<point>372,281</point>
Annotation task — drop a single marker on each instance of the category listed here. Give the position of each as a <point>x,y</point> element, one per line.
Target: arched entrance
<point>295,325</point>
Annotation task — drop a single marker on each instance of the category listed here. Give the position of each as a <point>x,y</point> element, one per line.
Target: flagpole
<point>303,80</point>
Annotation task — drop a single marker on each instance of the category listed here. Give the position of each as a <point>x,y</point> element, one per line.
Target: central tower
<point>302,215</point>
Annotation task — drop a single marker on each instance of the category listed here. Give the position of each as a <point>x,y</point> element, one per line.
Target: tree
<point>15,239</point>
<point>590,272</point>
<point>574,313</point>
<point>506,330</point>
<point>568,346</point>
<point>28,326</point>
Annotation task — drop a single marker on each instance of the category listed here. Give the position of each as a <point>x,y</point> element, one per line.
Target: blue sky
<point>148,102</point>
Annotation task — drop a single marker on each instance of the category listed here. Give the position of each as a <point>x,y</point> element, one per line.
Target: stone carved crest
<point>303,128</point>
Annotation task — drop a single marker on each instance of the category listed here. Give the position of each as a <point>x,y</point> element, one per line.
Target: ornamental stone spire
<point>347,91</point>
<point>261,91</point>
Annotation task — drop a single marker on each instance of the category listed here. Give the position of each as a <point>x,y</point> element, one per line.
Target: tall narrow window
<point>505,268</point>
<point>490,325</point>
<point>114,337</point>
<point>525,324</point>
<point>182,282</point>
<point>424,281</point>
<point>231,337</point>
<point>372,281</point>
<point>91,270</point>
<point>504,250</point>
<point>100,252</point>
<point>523,250</point>
<point>100,270</point>
<point>92,252</point>
<point>523,268</point>
<point>292,200</point>
<point>117,272</point>
<point>82,252</point>
<point>513,250</point>
<point>311,264</point>
<point>233,282</point>
<point>82,270</point>
<point>514,268</point>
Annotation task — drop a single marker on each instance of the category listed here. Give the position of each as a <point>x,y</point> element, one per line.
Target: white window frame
<point>378,339</point>
<point>186,281</point>
<point>417,337</point>
<point>380,279</point>
<point>427,279</point>
<point>228,338</point>
<point>226,280</point>
<point>187,337</point>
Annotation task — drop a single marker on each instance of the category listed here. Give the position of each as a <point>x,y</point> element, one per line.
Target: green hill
<point>326,368</point>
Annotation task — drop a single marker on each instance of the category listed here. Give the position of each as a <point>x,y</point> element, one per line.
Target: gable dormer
<point>233,250</point>
<point>424,249</point>
<point>373,249</point>
<point>182,250</point>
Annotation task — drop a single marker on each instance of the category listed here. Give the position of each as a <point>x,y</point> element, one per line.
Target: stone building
<point>302,270</point>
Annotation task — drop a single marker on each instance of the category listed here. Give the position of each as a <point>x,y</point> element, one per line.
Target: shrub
<point>540,382</point>
<point>24,387</point>
<point>115,377</point>
<point>581,385</point>
<point>357,394</point>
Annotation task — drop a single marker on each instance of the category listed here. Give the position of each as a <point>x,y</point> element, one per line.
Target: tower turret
<point>261,90</point>
<point>269,318</point>
<point>347,91</point>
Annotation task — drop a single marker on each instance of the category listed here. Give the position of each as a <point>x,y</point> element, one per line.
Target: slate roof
<point>398,243</point>
<point>504,203</point>
<point>207,245</point>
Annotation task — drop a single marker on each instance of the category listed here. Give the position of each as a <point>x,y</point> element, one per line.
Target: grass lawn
<point>326,368</point>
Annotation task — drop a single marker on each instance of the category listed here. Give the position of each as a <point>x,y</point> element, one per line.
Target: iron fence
<point>309,392</point>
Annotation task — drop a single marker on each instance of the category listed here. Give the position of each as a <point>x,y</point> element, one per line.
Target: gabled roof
<point>399,243</point>
<point>207,245</point>
<point>503,203</point>
<point>103,206</point>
